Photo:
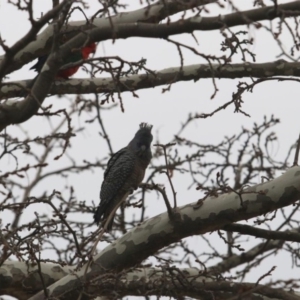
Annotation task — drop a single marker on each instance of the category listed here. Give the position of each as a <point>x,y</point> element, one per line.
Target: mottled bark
<point>158,232</point>
<point>149,14</point>
<point>162,77</point>
<point>7,60</point>
<point>153,14</point>
<point>20,279</point>
<point>127,25</point>
<point>23,280</point>
<point>20,111</point>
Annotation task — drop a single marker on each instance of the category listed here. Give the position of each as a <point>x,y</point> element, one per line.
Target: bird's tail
<point>98,215</point>
<point>101,217</point>
<point>40,63</point>
<point>110,224</point>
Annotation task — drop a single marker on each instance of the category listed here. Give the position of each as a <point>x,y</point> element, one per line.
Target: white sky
<point>165,111</point>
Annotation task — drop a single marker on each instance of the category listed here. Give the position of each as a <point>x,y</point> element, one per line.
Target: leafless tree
<point>59,255</point>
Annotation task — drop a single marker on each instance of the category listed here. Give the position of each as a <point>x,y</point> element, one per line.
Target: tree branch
<point>162,77</point>
<point>125,25</point>
<point>167,281</point>
<point>150,14</point>
<point>288,235</point>
<point>7,60</point>
<point>215,212</point>
<point>236,260</point>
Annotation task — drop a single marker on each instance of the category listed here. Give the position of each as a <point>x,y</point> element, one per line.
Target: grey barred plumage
<point>125,171</point>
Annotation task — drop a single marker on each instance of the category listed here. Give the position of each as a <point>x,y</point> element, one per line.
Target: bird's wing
<point>119,169</point>
<point>113,159</point>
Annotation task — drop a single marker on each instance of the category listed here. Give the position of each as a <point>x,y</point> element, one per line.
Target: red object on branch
<point>73,58</point>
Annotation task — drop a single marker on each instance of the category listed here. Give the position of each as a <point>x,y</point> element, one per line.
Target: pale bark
<point>20,279</point>
<point>20,111</point>
<point>154,14</point>
<point>165,281</point>
<point>158,232</point>
<point>150,14</point>
<point>161,77</point>
<point>132,24</point>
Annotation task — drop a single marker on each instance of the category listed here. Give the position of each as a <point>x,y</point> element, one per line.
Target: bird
<point>124,172</point>
<point>83,54</point>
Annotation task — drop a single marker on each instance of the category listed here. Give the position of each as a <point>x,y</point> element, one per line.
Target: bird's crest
<point>145,125</point>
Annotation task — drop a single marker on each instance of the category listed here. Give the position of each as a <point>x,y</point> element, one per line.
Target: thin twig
<point>297,153</point>
<point>168,169</point>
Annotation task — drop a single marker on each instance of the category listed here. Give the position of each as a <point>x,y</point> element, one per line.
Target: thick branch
<point>179,283</point>
<point>238,259</point>
<point>162,77</point>
<point>150,14</point>
<point>23,110</point>
<point>288,235</point>
<point>20,279</point>
<point>158,232</point>
<point>125,25</point>
<point>7,60</point>
<point>18,112</point>
<point>160,281</point>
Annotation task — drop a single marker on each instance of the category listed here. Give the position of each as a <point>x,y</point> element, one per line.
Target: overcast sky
<point>164,110</point>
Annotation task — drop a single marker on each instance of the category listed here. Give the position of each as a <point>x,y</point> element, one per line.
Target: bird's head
<point>142,140</point>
